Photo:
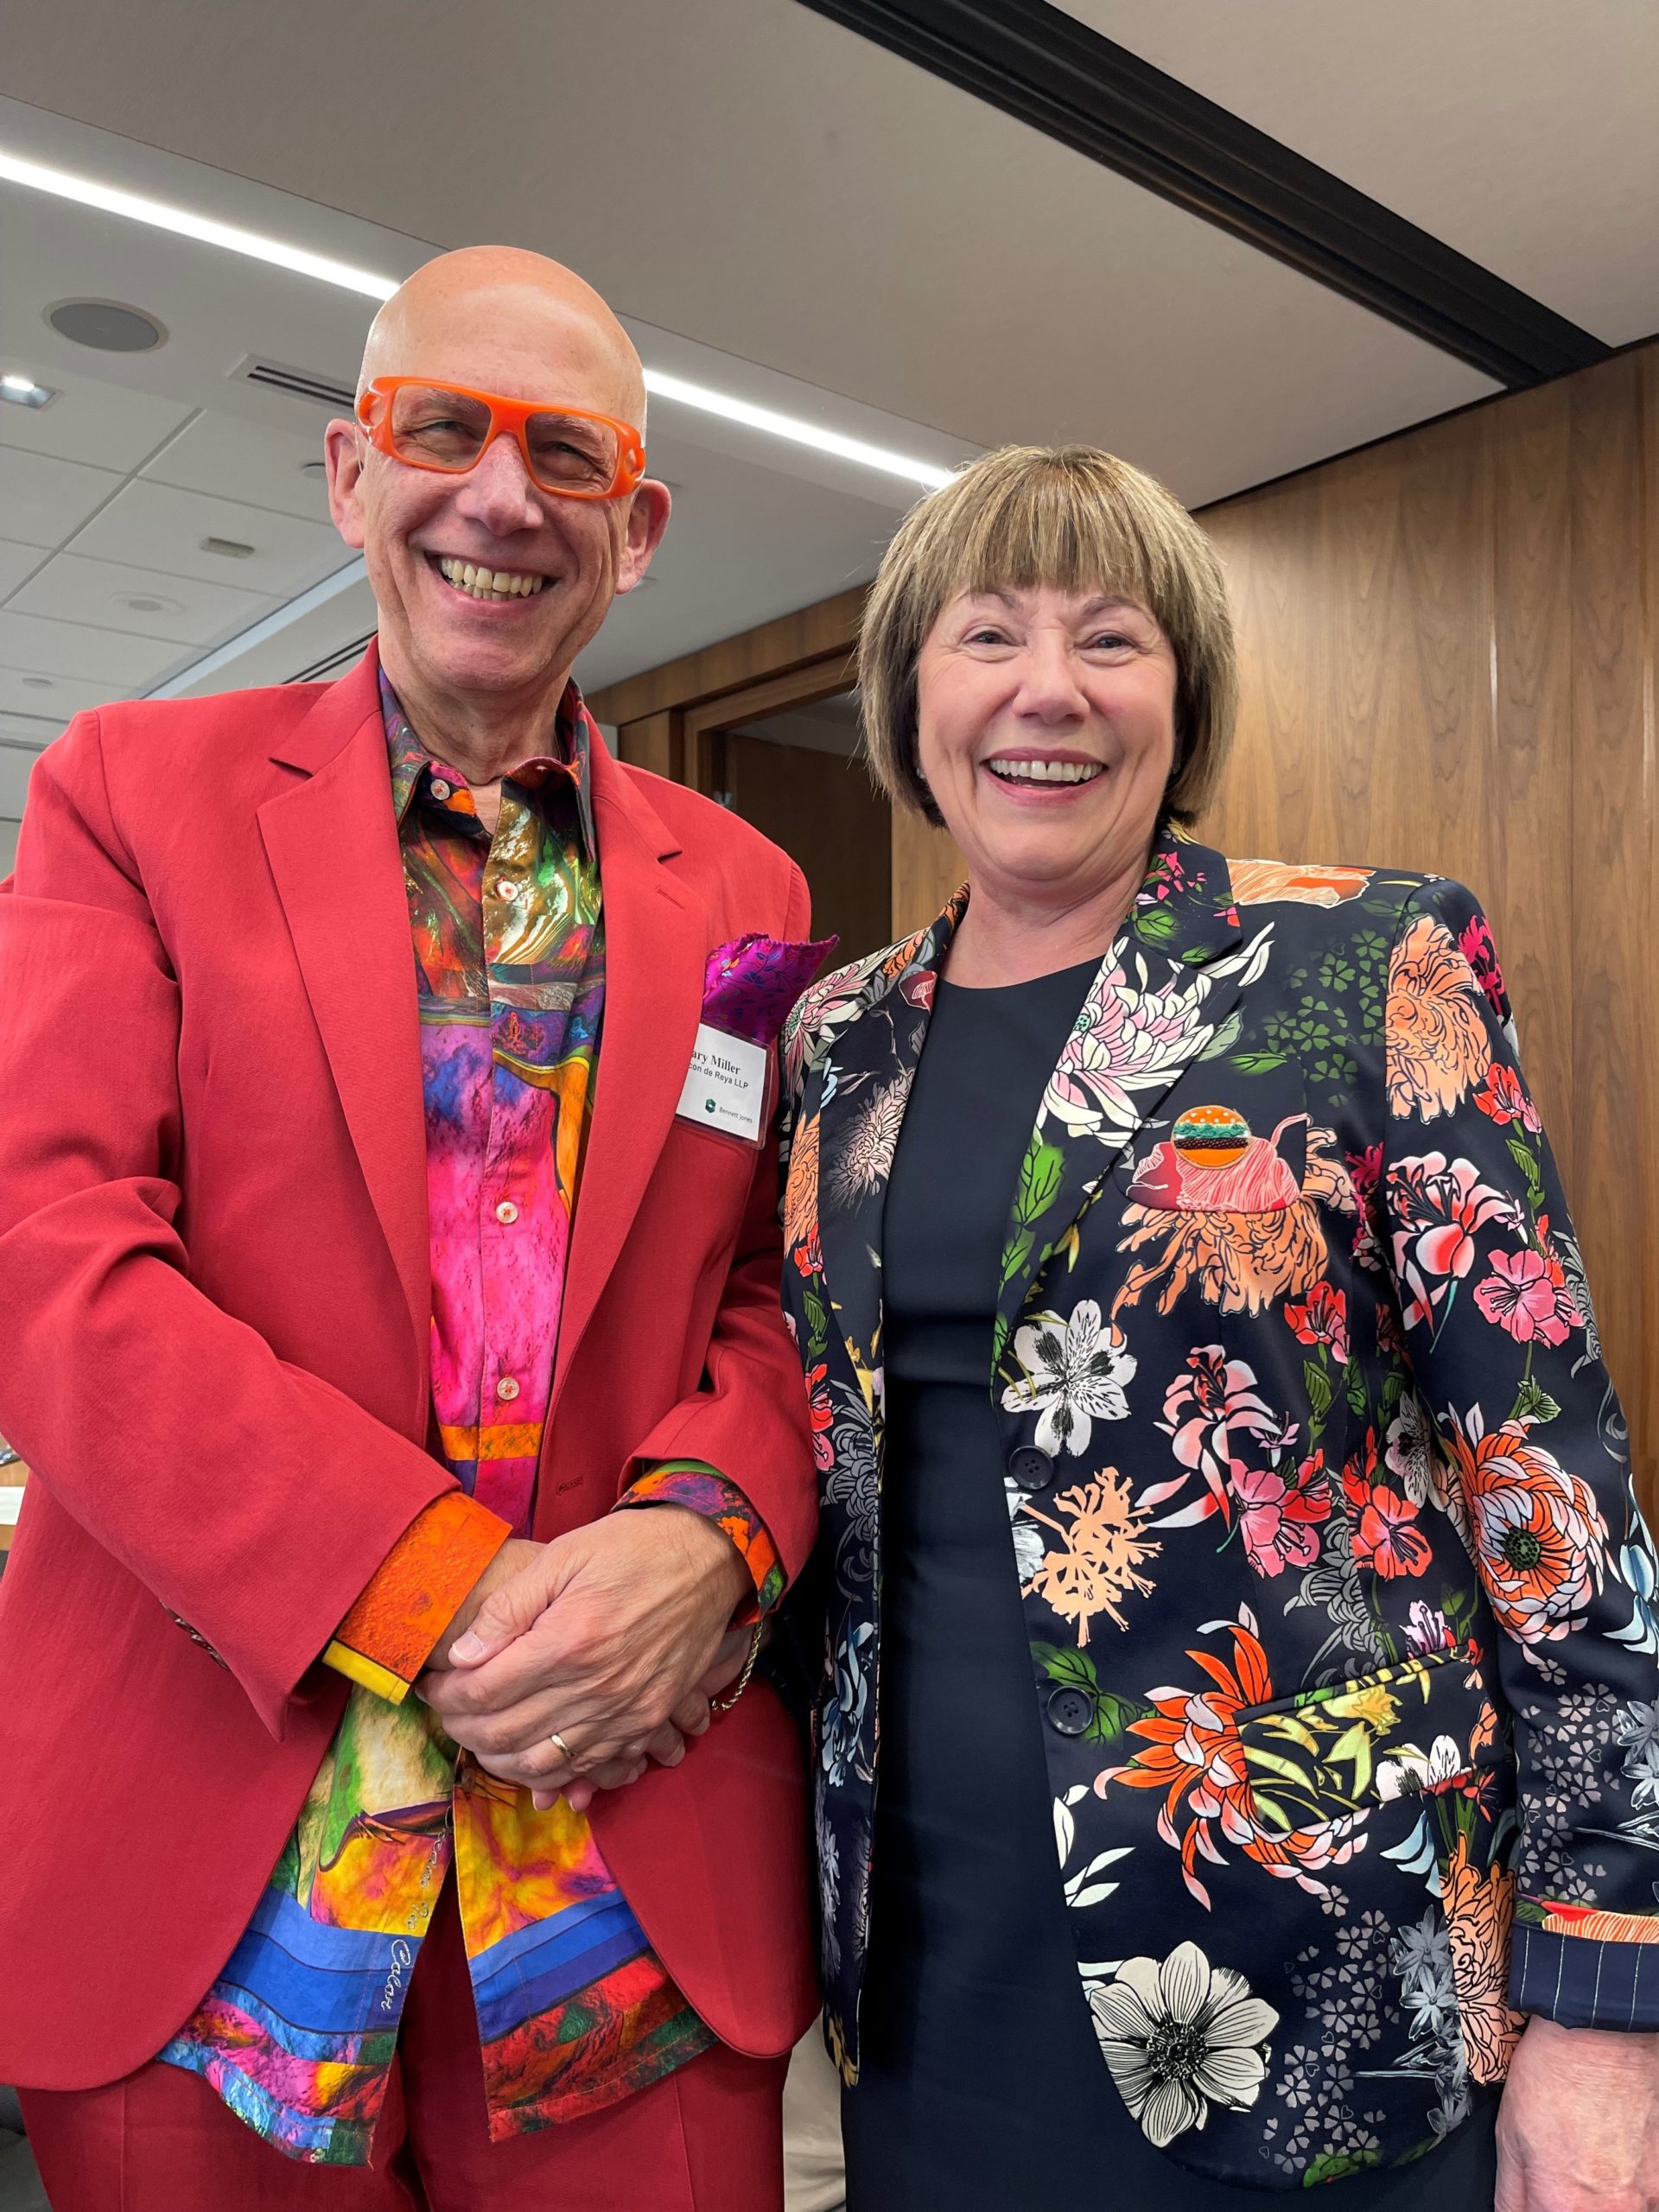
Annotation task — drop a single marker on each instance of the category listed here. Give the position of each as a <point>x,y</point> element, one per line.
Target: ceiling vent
<point>332,664</point>
<point>298,384</point>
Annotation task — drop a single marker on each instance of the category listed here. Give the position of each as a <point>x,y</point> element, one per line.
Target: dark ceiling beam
<point>1039,64</point>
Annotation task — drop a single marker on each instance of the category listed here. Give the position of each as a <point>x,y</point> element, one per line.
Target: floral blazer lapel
<point>1162,998</point>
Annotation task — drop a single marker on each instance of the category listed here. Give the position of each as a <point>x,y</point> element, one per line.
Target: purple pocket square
<point>750,983</point>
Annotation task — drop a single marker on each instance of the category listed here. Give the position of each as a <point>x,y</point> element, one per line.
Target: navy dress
<point>981,2085</point>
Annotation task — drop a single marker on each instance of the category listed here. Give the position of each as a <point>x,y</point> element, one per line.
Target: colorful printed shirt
<point>575,2009</point>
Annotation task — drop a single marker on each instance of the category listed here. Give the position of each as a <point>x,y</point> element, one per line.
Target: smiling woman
<point>1217,1392</point>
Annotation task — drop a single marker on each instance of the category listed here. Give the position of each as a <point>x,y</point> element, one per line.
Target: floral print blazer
<point>1341,1612</point>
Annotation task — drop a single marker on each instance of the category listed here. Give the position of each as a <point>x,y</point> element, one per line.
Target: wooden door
<point>822,808</point>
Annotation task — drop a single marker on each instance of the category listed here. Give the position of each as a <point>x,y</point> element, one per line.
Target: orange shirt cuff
<point>388,1635</point>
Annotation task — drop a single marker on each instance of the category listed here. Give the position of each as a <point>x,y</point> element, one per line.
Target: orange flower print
<point>1240,1263</point>
<point>1322,1320</point>
<point>1502,1098</point>
<point>1535,1530</point>
<point>1259,883</point>
<point>801,1193</point>
<point>1480,1913</point>
<point>1103,1549</point>
<point>1193,1753</point>
<point>1438,1047</point>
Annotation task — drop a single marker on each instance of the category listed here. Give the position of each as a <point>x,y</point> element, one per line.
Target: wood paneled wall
<point>1449,644</point>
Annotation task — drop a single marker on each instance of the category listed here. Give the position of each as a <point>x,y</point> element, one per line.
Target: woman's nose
<point>498,493</point>
<point>1049,689</point>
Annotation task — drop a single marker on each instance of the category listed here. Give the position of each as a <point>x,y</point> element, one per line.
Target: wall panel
<point>1448,645</point>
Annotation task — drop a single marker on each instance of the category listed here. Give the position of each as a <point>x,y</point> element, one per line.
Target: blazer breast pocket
<point>1425,1725</point>
<point>1240,1147</point>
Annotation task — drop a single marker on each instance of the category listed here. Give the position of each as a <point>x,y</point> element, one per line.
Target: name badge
<point>725,1087</point>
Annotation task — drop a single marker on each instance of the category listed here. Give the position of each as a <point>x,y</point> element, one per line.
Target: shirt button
<point>506,1212</point>
<point>507,1387</point>
<point>505,888</point>
<point>1070,1712</point>
<point>1030,1468</point>
<point>439,789</point>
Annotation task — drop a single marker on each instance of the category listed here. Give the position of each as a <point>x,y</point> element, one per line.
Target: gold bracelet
<point>724,1704</point>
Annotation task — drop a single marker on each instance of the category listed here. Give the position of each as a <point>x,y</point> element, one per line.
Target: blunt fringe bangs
<point>1079,520</point>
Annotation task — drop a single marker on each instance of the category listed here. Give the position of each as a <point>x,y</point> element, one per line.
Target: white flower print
<point>1413,1771</point>
<point>1180,2035</point>
<point>1074,1374</point>
<point>864,1161</point>
<point>1132,1037</point>
<point>1029,1543</point>
<point>1410,1449</point>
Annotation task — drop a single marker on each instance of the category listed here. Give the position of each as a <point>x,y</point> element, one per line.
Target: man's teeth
<point>488,583</point>
<point>1045,771</point>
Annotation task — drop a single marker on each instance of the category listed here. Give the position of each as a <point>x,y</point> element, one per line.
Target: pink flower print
<point>1279,1521</point>
<point>1322,1319</point>
<point>1475,943</point>
<point>1427,1630</point>
<point>1386,1537</point>
<point>1438,1205</point>
<point>1502,1098</point>
<point>1205,1409</point>
<point>1522,1297</point>
<point>822,1415</point>
<point>1365,1170</point>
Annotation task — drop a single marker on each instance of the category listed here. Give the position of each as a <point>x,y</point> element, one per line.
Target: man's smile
<point>474,581</point>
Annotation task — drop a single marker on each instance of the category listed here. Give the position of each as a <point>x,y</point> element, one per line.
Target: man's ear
<point>647,520</point>
<point>342,446</point>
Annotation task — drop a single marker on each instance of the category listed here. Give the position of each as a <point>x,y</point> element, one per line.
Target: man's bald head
<point>502,319</point>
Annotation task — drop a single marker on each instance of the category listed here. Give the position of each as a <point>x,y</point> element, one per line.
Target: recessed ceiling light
<point>313,468</point>
<point>106,325</point>
<point>23,391</point>
<point>89,192</point>
<point>231,549</point>
<point>143,603</point>
<point>37,683</point>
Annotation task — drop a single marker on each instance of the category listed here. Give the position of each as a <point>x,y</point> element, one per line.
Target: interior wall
<point>1449,646</point>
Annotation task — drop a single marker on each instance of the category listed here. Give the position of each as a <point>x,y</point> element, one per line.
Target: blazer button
<point>1070,1712</point>
<point>1030,1468</point>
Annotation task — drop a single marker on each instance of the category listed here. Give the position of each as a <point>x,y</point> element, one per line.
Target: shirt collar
<point>569,764</point>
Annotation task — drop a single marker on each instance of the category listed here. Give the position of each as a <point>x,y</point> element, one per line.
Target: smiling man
<point>390,1819</point>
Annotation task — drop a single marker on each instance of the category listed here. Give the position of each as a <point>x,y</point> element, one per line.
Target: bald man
<point>388,1315</point>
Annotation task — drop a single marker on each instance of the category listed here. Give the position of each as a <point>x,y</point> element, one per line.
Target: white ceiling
<point>781,210</point>
<point>1520,131</point>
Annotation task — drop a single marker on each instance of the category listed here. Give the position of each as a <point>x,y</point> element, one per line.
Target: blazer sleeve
<point>167,1428</point>
<point>1531,1466</point>
<point>748,1418</point>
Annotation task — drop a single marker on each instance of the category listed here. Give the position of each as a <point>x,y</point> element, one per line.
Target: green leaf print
<point>1258,1062</point>
<point>1533,1402</point>
<point>1521,1152</point>
<point>1076,1670</point>
<point>1320,1393</point>
<point>1039,1179</point>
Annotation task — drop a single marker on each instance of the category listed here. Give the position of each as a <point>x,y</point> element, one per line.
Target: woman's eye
<point>1108,641</point>
<point>986,636</point>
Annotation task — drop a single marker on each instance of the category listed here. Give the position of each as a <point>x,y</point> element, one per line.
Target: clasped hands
<point>614,1637</point>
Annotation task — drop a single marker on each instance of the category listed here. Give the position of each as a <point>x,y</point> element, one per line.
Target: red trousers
<point>707,2139</point>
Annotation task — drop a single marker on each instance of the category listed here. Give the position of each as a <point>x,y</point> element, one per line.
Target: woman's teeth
<point>488,583</point>
<point>1045,771</point>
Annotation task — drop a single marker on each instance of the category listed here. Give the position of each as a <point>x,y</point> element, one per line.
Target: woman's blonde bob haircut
<point>1079,520</point>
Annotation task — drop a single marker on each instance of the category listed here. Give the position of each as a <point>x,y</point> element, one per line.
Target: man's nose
<point>1049,690</point>
<point>497,491</point>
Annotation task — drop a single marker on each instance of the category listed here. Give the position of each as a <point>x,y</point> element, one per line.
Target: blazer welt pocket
<point>1425,1725</point>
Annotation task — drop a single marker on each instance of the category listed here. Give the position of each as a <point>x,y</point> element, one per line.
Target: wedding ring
<point>562,1749</point>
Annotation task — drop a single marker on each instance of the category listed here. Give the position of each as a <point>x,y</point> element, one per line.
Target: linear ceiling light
<point>798,432</point>
<point>87,191</point>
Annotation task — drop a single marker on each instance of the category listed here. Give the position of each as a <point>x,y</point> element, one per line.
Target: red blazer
<point>214,1301</point>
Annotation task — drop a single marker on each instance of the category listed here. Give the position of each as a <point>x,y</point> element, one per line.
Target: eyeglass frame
<point>508,418</point>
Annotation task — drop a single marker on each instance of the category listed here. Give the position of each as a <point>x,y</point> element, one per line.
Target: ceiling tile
<point>17,562</point>
<point>31,643</point>
<point>55,698</point>
<point>237,459</point>
<point>43,500</point>
<point>106,425</point>
<point>71,588</point>
<point>15,768</point>
<point>25,729</point>
<point>155,526</point>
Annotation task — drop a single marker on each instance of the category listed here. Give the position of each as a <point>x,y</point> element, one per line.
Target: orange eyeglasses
<point>446,427</point>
